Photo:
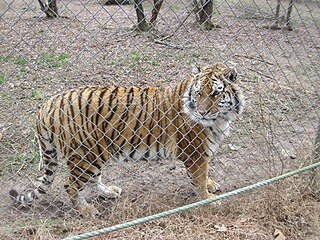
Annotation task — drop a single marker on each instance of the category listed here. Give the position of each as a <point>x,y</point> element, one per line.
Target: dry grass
<point>286,206</point>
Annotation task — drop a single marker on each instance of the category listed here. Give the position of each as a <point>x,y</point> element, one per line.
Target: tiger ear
<point>195,69</point>
<point>232,75</point>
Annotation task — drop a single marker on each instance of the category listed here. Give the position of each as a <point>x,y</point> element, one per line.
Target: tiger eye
<point>216,93</point>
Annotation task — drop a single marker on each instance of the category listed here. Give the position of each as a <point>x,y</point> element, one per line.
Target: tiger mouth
<point>214,116</point>
<point>208,117</point>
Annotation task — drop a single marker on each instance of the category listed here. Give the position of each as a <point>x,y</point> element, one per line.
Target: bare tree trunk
<point>156,10</point>
<point>288,21</point>
<point>204,14</point>
<point>142,25</point>
<point>50,8</point>
<point>278,12</point>
<point>196,10</point>
<point>276,24</point>
<point>42,5</point>
<point>288,25</point>
<point>53,6</point>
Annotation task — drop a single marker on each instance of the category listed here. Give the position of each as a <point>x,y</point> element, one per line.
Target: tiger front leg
<point>213,186</point>
<point>198,171</point>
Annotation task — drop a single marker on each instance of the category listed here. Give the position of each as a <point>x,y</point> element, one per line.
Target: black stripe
<point>145,102</point>
<point>96,164</point>
<point>49,152</point>
<point>88,107</point>
<point>133,149</point>
<point>71,115</point>
<point>100,152</point>
<point>120,148</point>
<point>181,90</point>
<point>89,173</point>
<point>49,162</point>
<point>84,139</point>
<point>147,153</point>
<point>206,154</point>
<point>125,115</point>
<point>112,107</point>
<point>100,105</point>
<point>46,181</point>
<point>41,190</point>
<point>52,102</point>
<point>92,121</point>
<point>151,126</point>
<point>138,122</point>
<point>114,131</point>
<point>159,127</point>
<point>51,122</point>
<point>80,98</point>
<point>164,126</point>
<point>61,116</point>
<point>83,179</point>
<point>79,186</point>
<point>132,140</point>
<point>237,101</point>
<point>83,132</point>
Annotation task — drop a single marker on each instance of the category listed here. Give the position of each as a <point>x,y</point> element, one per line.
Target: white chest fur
<point>215,135</point>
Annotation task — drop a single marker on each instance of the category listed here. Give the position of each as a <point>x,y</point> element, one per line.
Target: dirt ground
<point>96,45</point>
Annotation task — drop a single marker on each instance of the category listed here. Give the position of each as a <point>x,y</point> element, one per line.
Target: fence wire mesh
<point>50,48</point>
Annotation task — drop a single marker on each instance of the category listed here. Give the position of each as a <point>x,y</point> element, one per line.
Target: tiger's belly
<point>141,153</point>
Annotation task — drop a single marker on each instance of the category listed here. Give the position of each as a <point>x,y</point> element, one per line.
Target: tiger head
<point>213,94</point>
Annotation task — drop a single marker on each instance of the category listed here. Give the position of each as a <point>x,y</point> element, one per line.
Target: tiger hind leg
<point>48,154</point>
<point>81,172</point>
<point>74,188</point>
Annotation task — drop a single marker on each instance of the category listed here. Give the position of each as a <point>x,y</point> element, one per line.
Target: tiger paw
<point>215,203</point>
<point>213,186</point>
<point>89,211</point>
<point>111,192</point>
<point>115,191</point>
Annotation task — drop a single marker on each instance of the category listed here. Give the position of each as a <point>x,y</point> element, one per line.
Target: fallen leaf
<point>221,228</point>
<point>278,235</point>
<point>233,147</point>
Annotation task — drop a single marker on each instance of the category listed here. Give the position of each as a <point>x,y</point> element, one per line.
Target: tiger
<point>92,124</point>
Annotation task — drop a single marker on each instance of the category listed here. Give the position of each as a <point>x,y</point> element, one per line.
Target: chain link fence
<point>48,48</point>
